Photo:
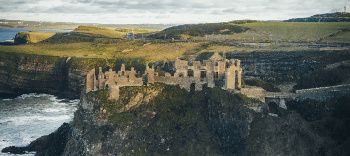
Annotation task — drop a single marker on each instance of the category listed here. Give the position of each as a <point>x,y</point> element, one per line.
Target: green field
<point>283,32</point>
<point>110,32</point>
<point>33,37</point>
<point>124,49</point>
<point>109,43</point>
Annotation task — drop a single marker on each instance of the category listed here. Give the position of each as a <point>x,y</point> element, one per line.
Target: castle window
<point>190,73</point>
<point>216,63</point>
<point>203,74</point>
<point>216,75</point>
<point>123,73</point>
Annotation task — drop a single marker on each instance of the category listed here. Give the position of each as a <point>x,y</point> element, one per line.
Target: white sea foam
<point>29,116</point>
<point>27,120</point>
<point>54,110</point>
<point>25,96</point>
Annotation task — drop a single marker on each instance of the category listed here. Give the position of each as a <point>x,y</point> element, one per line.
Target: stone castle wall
<point>187,74</point>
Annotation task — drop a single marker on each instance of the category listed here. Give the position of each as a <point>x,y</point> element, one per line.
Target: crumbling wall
<point>187,74</point>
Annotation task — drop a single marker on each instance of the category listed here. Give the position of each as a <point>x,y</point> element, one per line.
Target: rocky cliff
<point>62,76</point>
<point>166,120</point>
<point>21,73</point>
<point>286,67</point>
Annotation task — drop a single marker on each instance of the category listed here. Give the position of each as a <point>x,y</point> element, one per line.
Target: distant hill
<point>90,34</point>
<point>193,30</point>
<point>38,25</point>
<point>329,17</point>
<point>32,37</point>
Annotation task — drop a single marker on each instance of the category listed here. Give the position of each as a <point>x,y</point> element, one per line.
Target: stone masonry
<point>188,75</point>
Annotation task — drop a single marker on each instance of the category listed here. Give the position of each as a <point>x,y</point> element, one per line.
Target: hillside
<point>331,75</point>
<point>252,36</point>
<point>32,37</point>
<point>35,25</point>
<point>96,34</point>
<point>110,32</point>
<point>193,30</point>
<point>272,32</point>
<point>328,17</point>
<point>150,51</point>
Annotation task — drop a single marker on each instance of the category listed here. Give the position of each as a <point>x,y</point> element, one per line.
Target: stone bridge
<point>279,98</point>
<point>317,94</point>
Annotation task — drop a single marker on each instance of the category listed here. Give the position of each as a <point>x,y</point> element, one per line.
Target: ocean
<point>30,116</point>
<point>10,33</point>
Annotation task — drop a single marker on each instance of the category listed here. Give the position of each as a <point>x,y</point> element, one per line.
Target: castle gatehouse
<point>216,71</point>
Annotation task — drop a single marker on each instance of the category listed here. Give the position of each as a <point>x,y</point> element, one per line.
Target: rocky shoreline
<point>223,120</point>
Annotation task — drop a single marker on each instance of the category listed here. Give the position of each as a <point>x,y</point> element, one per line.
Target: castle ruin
<point>216,71</point>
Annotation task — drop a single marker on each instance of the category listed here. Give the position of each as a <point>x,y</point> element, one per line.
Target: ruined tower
<point>150,74</point>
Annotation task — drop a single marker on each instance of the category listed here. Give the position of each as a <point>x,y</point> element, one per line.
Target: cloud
<point>162,11</point>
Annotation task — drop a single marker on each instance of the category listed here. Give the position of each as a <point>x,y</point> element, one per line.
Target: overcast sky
<point>163,11</point>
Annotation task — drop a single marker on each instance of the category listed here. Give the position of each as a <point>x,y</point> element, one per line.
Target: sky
<point>163,11</point>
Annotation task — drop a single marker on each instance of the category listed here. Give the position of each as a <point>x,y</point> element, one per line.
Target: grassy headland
<point>111,43</point>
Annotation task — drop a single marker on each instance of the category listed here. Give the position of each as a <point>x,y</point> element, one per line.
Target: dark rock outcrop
<point>53,144</point>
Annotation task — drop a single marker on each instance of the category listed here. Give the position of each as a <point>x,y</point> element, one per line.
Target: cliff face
<point>20,73</point>
<point>169,121</point>
<point>166,120</point>
<point>285,67</point>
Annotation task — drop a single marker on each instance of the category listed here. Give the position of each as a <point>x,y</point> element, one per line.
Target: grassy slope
<point>97,42</point>
<point>343,37</point>
<point>90,45</point>
<point>34,37</point>
<point>283,32</point>
<point>123,49</point>
<point>109,32</point>
<point>191,30</point>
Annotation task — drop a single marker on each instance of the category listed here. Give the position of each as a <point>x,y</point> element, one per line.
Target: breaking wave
<point>30,116</point>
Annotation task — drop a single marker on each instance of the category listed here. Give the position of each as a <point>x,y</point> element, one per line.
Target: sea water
<point>30,116</point>
<point>7,34</point>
